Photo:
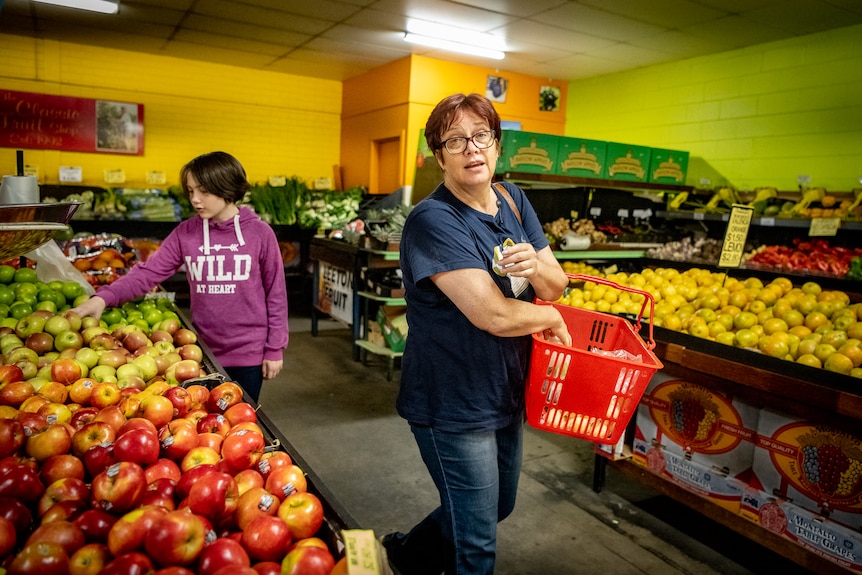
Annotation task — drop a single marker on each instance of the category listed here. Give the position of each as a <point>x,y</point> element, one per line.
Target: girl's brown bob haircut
<point>219,174</point>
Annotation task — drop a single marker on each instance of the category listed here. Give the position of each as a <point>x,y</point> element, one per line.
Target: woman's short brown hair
<point>450,109</point>
<point>219,174</point>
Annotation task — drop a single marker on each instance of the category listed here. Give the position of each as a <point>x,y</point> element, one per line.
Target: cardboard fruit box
<point>821,536</point>
<point>579,157</point>
<point>708,428</point>
<point>627,162</point>
<point>668,166</point>
<point>528,152</point>
<point>815,466</point>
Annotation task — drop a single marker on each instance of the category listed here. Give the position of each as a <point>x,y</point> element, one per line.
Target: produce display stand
<point>336,518</point>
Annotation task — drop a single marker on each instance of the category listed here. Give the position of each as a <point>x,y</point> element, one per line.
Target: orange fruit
<point>839,363</point>
<point>834,337</point>
<point>810,360</point>
<point>774,346</point>
<point>824,350</point>
<point>799,331</point>
<point>815,319</point>
<point>773,325</point>
<point>81,264</point>
<point>806,347</point>
<point>725,338</point>
<point>811,288</point>
<point>793,318</point>
<point>854,330</point>
<point>744,320</point>
<point>853,350</point>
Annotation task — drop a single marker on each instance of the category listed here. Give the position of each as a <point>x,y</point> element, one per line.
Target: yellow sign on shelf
<point>117,176</point>
<point>824,226</point>
<point>735,236</point>
<point>156,178</point>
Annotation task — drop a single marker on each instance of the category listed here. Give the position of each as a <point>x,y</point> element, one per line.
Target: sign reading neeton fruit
<point>45,122</point>
<point>735,236</point>
<point>335,292</point>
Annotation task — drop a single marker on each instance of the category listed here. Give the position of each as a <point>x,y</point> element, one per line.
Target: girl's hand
<point>271,368</point>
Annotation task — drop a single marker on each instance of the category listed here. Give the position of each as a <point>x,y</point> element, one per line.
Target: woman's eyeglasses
<point>458,144</point>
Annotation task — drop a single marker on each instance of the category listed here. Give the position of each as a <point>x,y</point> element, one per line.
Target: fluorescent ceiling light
<point>454,39</point>
<point>102,6</point>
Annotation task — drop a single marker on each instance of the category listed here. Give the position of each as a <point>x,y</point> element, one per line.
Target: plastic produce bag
<point>52,264</point>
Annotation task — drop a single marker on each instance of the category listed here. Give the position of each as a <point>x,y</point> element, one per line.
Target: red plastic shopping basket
<point>584,391</point>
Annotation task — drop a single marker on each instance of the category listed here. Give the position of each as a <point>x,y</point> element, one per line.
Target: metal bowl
<point>25,227</point>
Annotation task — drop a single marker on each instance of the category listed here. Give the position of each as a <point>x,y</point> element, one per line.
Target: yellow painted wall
<point>275,124</point>
<point>395,100</point>
<point>759,116</point>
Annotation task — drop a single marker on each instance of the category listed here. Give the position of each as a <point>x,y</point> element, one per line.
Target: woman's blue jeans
<point>477,477</point>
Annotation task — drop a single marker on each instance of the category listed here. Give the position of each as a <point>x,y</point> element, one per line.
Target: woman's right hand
<point>92,307</point>
<point>559,331</point>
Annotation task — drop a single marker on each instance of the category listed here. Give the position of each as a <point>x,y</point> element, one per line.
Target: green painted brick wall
<point>759,116</point>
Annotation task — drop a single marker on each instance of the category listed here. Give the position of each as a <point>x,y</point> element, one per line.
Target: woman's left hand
<point>271,368</point>
<point>520,260</point>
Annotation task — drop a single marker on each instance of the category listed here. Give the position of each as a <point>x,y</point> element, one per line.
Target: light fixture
<point>454,39</point>
<point>102,6</point>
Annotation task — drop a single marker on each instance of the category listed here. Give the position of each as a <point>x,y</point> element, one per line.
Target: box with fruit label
<point>815,466</point>
<point>527,152</point>
<point>709,428</point>
<point>627,162</point>
<point>581,158</point>
<point>814,532</point>
<point>702,480</point>
<point>668,166</point>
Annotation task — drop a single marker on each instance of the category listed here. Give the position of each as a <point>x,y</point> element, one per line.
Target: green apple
<point>57,324</point>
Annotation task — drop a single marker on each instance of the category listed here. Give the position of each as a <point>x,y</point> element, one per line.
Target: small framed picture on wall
<point>549,98</point>
<point>495,89</point>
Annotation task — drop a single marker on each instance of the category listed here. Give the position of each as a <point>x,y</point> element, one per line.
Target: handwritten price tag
<point>735,236</point>
<point>824,226</point>
<point>117,176</point>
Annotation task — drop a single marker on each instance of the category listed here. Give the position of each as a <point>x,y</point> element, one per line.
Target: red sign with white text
<point>44,122</point>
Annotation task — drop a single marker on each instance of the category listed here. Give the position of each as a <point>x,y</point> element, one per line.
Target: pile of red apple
<point>115,460</point>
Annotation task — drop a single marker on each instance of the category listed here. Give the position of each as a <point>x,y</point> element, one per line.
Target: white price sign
<point>335,292</point>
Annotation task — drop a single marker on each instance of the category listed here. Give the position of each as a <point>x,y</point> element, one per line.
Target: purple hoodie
<point>236,281</point>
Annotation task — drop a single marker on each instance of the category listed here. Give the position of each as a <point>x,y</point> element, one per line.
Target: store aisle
<point>339,415</point>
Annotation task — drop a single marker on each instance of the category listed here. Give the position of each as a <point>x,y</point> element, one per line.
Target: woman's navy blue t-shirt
<point>455,376</point>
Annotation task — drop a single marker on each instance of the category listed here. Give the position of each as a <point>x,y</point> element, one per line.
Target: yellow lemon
<point>810,360</point>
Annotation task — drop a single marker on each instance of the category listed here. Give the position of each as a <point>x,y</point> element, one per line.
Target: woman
<point>234,269</point>
<point>472,263</point>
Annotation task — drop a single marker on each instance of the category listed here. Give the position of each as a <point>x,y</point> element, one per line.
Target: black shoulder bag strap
<point>508,197</point>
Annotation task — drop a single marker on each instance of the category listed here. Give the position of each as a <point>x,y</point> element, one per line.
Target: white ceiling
<point>338,39</point>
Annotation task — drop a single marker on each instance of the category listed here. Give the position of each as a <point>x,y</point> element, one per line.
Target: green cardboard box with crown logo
<point>668,166</point>
<point>582,158</point>
<point>627,162</point>
<point>527,152</point>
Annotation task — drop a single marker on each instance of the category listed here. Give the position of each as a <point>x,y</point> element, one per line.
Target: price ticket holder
<point>735,236</point>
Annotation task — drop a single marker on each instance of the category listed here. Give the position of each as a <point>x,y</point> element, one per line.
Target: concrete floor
<point>339,415</point>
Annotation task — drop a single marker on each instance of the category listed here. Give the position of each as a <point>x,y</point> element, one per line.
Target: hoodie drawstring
<point>239,237</point>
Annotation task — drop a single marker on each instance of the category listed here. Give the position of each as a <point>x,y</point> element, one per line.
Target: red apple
<point>181,371</point>
<point>11,436</point>
<point>192,476</point>
<point>130,405</point>
<point>14,393</point>
<point>137,424</point>
<point>10,373</point>
<point>191,351</point>
<point>105,393</point>
<point>54,391</point>
<point>67,510</point>
<point>267,568</point>
<point>224,396</point>
<point>98,458</point>
<point>158,409</point>
<point>241,412</point>
<point>177,538</point>
<point>141,447</point>
<point>272,460</point>
<point>177,438</point>
<point>81,390</point>
<point>255,501</point>
<point>56,412</point>
<point>102,342</point>
<point>53,440</point>
<point>213,423</point>
<point>184,336</point>
<point>42,558</point>
<point>64,533</point>
<point>21,482</point>
<point>308,560</point>
<point>303,513</point>
<point>266,538</point>
<point>214,496</point>
<point>242,450</point>
<point>82,416</point>
<point>66,488</point>
<point>163,468</point>
<point>118,488</point>
<point>66,371</point>
<point>92,434</point>
<point>211,440</point>
<point>221,553</point>
<point>180,398</point>
<point>134,563</point>
<point>61,466</point>
<point>285,481</point>
<point>96,524</point>
<point>89,559</point>
<point>164,487</point>
<point>113,415</point>
<point>129,532</point>
<point>19,514</point>
<point>244,426</point>
<point>41,342</point>
<point>248,478</point>
<point>8,537</point>
<point>200,395</point>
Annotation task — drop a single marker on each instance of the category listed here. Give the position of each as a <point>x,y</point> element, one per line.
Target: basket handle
<point>647,298</point>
